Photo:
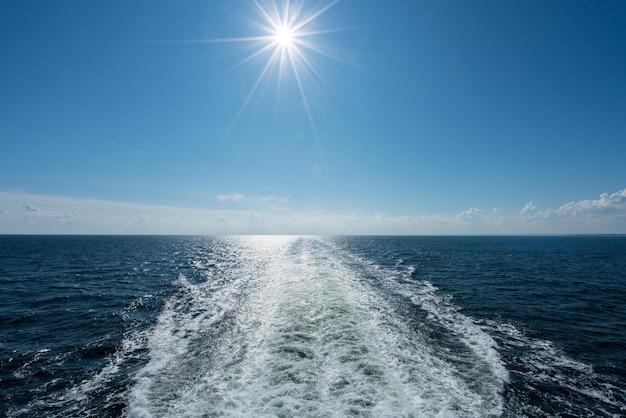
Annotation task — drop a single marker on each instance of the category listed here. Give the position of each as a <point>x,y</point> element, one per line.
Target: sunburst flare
<point>287,40</point>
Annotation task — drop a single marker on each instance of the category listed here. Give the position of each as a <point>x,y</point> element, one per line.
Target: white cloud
<point>33,213</point>
<point>472,214</point>
<point>271,201</point>
<point>380,216</point>
<point>607,214</point>
<point>30,208</point>
<point>615,202</point>
<point>28,213</point>
<point>529,209</point>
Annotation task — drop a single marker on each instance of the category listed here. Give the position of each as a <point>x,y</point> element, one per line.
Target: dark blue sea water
<point>312,326</point>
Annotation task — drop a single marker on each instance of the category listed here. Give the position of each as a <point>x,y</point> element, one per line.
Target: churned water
<point>272,326</point>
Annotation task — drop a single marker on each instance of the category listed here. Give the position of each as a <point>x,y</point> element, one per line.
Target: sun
<point>285,36</point>
<point>285,39</point>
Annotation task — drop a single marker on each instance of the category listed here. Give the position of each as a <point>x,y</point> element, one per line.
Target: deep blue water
<point>146,326</point>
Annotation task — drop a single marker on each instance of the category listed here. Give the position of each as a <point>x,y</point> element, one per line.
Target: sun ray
<point>312,47</point>
<point>307,109</point>
<point>268,18</point>
<point>314,16</point>
<point>252,56</point>
<point>311,67</point>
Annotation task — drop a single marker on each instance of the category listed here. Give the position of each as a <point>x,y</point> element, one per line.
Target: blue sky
<point>407,117</point>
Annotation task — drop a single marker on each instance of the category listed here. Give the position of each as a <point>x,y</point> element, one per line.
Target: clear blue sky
<point>410,117</point>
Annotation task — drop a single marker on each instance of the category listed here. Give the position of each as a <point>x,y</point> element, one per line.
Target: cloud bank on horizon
<point>23,213</point>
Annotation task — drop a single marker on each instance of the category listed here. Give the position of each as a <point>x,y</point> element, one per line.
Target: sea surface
<point>287,326</point>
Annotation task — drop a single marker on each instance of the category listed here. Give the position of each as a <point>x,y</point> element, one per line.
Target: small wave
<point>567,385</point>
<point>94,394</point>
<point>411,271</point>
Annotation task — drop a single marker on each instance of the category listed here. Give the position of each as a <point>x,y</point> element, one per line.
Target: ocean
<point>288,326</point>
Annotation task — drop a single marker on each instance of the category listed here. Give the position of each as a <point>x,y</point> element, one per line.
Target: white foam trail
<point>301,334</point>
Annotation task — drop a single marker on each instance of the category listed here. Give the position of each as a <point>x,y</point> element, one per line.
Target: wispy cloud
<point>233,197</point>
<point>29,213</point>
<point>271,201</point>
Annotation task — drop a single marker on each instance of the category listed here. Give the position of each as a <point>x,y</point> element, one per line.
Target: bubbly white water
<point>285,326</point>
